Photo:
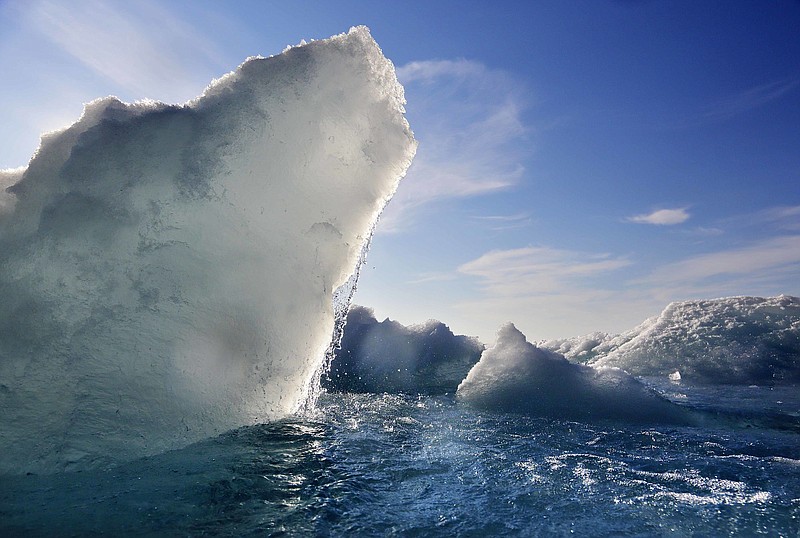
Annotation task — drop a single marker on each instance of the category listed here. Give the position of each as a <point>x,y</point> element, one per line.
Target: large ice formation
<point>167,272</point>
<point>740,340</point>
<point>390,357</point>
<point>516,376</point>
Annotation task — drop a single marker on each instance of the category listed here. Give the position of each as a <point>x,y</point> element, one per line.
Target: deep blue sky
<point>551,135</point>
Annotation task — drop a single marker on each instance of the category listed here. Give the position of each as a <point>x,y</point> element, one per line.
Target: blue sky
<point>581,163</point>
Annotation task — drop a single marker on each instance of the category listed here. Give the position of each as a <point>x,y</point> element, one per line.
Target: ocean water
<point>400,465</point>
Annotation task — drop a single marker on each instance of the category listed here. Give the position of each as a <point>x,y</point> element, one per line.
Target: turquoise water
<point>394,465</point>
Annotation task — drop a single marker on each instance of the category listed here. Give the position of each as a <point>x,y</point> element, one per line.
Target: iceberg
<point>390,357</point>
<point>168,273</point>
<point>516,376</point>
<point>735,340</point>
<point>579,348</point>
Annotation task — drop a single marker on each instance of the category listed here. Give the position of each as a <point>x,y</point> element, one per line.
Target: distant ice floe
<point>745,340</point>
<point>168,272</point>
<point>736,340</point>
<point>387,356</point>
<point>516,376</point>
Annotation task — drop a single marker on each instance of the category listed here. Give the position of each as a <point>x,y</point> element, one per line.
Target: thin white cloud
<point>143,48</point>
<point>425,278</point>
<point>504,218</point>
<point>750,99</point>
<point>662,217</point>
<point>468,120</point>
<point>431,70</point>
<point>769,257</point>
<point>704,232</point>
<point>550,292</point>
<point>784,217</point>
<point>537,270</point>
<point>738,103</point>
<point>505,222</point>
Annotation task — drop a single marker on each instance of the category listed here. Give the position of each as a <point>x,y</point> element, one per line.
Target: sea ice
<point>516,376</point>
<point>387,356</point>
<point>167,272</point>
<point>735,340</point>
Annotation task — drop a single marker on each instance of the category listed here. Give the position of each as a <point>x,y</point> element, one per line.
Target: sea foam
<point>167,272</point>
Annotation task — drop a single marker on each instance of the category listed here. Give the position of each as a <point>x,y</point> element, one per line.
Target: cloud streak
<point>750,99</point>
<point>772,256</point>
<point>662,217</point>
<point>468,120</point>
<point>784,217</point>
<point>505,222</point>
<point>532,271</point>
<point>736,104</point>
<point>142,48</point>
<point>551,292</point>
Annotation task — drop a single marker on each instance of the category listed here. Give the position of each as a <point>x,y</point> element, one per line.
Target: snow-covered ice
<point>738,340</point>
<point>516,376</point>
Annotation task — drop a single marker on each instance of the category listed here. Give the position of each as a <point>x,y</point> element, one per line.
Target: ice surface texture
<point>166,272</point>
<point>516,376</point>
<point>389,357</point>
<point>735,340</point>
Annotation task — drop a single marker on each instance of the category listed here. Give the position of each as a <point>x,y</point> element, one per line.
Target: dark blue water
<point>378,465</point>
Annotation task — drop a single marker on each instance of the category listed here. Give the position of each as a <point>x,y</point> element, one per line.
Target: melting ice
<point>387,356</point>
<point>739,340</point>
<point>514,375</point>
<point>168,271</point>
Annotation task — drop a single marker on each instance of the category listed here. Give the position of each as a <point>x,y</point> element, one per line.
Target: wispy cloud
<point>468,119</point>
<point>548,292</point>
<point>426,278</point>
<point>775,254</point>
<point>769,220</point>
<point>736,104</point>
<point>537,270</point>
<point>750,99</point>
<point>430,71</point>
<point>704,232</point>
<point>505,222</point>
<point>662,217</point>
<point>143,48</point>
<point>784,217</point>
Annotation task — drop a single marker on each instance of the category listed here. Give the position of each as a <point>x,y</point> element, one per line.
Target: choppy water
<point>426,466</point>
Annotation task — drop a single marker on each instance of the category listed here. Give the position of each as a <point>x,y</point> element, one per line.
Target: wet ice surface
<point>171,272</point>
<point>399,465</point>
